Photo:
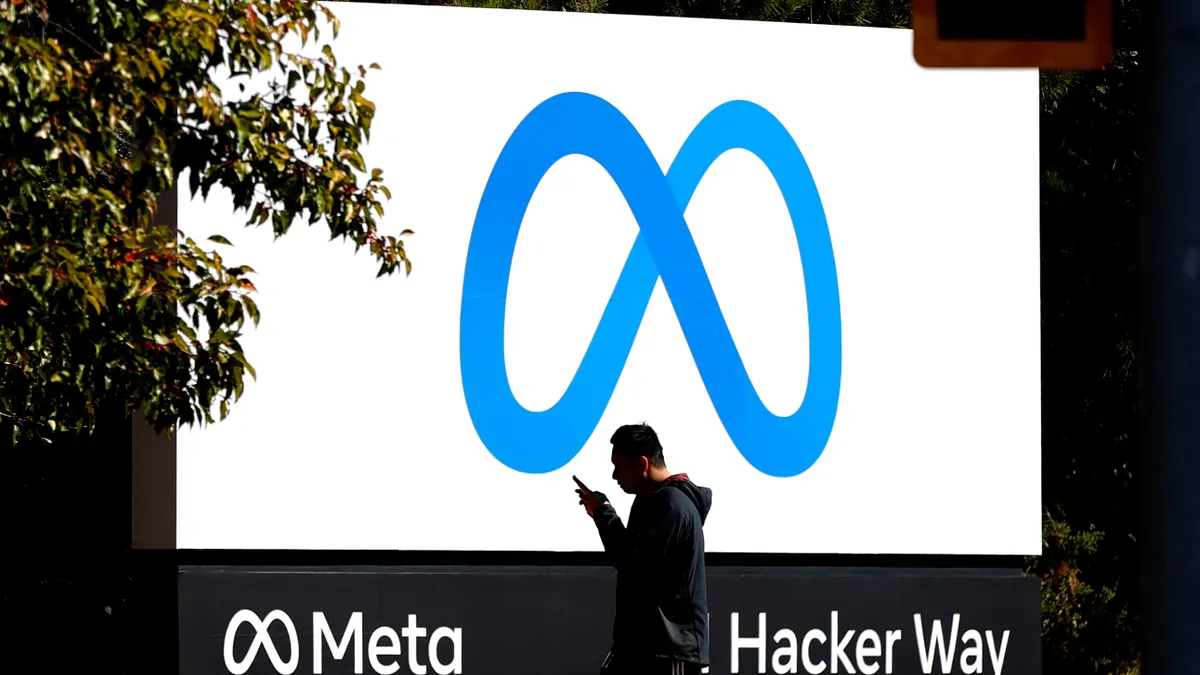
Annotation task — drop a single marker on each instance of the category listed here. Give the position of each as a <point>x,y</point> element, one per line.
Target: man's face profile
<point>628,474</point>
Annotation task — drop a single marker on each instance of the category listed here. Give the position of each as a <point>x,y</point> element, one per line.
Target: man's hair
<point>638,440</point>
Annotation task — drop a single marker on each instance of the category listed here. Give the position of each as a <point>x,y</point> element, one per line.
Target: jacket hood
<point>700,496</point>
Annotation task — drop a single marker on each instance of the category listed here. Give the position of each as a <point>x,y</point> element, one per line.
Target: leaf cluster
<point>104,105</point>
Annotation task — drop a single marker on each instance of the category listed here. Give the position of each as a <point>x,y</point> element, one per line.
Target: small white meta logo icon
<point>262,640</point>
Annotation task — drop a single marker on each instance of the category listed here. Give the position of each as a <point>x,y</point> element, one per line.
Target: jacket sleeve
<point>628,548</point>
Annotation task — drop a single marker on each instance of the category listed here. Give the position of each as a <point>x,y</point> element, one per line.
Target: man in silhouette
<point>661,623</point>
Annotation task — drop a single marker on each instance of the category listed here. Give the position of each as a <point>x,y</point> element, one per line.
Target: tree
<point>877,13</point>
<point>106,104</point>
<point>1091,201</point>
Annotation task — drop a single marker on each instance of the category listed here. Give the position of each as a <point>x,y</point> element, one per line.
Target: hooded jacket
<point>662,595</point>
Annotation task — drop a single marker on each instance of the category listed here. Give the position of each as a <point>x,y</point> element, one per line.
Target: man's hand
<point>590,500</point>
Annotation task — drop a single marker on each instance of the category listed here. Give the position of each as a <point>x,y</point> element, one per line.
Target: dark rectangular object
<point>1050,20</point>
<point>557,621</point>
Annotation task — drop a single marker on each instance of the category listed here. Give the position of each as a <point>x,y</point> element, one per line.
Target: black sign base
<point>557,621</point>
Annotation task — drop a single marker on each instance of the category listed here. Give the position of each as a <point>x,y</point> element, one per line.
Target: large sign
<point>809,263</point>
<point>546,621</point>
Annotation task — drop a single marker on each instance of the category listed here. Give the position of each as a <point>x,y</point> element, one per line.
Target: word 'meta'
<point>384,647</point>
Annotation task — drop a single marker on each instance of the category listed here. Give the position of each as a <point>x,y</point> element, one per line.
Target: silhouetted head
<point>637,458</point>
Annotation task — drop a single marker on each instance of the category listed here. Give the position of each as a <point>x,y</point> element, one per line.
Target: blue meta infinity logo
<point>583,124</point>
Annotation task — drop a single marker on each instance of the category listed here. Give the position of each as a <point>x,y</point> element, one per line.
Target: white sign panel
<point>809,263</point>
